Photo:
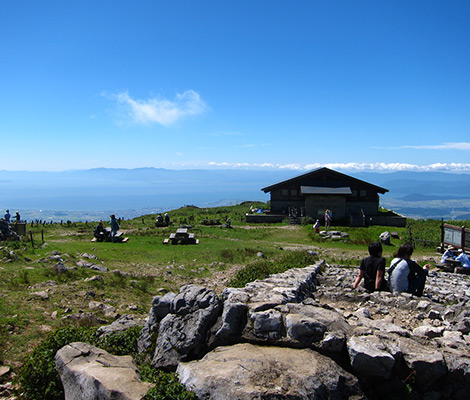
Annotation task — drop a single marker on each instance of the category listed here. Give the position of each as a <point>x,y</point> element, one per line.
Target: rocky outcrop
<point>183,333</point>
<point>390,343</point>
<point>87,372</point>
<point>246,371</point>
<point>307,334</point>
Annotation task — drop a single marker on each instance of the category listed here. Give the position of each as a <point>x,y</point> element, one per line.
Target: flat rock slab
<point>88,372</point>
<point>246,371</point>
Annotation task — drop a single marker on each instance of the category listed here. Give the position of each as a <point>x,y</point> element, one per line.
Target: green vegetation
<point>261,269</point>
<point>40,381</point>
<point>38,302</point>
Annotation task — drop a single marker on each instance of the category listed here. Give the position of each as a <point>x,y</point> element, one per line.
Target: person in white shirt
<point>463,258</point>
<point>405,274</point>
<point>449,254</point>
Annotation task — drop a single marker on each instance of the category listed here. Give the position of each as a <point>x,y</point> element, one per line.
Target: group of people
<point>101,233</point>
<point>5,231</point>
<point>459,256</point>
<point>405,275</point>
<point>328,220</point>
<point>8,216</point>
<point>162,220</point>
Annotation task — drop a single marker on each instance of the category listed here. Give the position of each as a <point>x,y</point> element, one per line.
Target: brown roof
<point>321,171</point>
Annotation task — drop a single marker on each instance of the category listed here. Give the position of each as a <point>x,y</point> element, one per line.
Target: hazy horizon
<point>95,193</point>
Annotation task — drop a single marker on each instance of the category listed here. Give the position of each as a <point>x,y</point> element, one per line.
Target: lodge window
<point>363,193</point>
<point>284,192</point>
<point>293,193</point>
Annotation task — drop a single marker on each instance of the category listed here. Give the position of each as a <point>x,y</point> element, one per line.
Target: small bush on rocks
<point>38,378</point>
<point>263,268</point>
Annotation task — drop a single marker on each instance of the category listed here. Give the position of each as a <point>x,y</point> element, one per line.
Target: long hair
<point>405,250</point>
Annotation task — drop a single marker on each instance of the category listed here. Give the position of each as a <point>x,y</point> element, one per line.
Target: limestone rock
<point>428,331</point>
<point>122,324</point>
<point>246,371</point>
<point>87,372</point>
<point>428,363</point>
<point>184,333</point>
<point>160,309</point>
<point>369,356</point>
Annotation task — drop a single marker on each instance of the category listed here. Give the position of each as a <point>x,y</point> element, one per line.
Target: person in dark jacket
<point>372,269</point>
<point>100,232</point>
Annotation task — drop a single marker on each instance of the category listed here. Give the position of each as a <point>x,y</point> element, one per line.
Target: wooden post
<point>411,234</point>
<point>42,236</point>
<point>462,239</point>
<point>442,234</point>
<point>32,240</point>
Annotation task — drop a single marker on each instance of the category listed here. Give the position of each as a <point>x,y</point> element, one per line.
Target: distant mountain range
<point>92,194</point>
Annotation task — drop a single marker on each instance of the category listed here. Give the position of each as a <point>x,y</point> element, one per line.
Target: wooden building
<point>351,201</point>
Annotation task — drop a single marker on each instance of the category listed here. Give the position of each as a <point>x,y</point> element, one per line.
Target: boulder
<point>458,365</point>
<point>122,324</point>
<point>160,309</point>
<point>426,361</point>
<point>88,372</point>
<point>245,372</point>
<point>183,334</point>
<point>369,356</point>
<point>385,237</point>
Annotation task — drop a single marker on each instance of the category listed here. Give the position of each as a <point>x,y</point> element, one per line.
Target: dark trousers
<point>416,286</point>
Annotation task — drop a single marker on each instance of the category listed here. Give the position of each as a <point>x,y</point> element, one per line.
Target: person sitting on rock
<point>449,254</point>
<point>372,269</point>
<point>405,274</point>
<point>463,259</point>
<point>100,232</point>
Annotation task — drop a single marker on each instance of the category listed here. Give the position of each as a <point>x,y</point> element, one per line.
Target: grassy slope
<point>149,265</point>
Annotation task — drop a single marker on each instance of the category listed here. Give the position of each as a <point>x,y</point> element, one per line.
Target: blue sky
<point>353,85</point>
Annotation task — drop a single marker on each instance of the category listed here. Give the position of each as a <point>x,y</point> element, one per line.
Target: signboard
<point>456,236</point>
<point>453,236</point>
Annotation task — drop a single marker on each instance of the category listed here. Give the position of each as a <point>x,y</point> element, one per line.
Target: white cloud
<point>377,167</point>
<point>444,146</point>
<point>161,111</point>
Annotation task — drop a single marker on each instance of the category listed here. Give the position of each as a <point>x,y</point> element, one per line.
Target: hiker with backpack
<point>372,269</point>
<point>405,274</point>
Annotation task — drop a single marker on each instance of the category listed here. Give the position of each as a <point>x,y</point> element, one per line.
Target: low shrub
<point>261,269</point>
<point>166,386</point>
<point>39,380</point>
<point>38,377</point>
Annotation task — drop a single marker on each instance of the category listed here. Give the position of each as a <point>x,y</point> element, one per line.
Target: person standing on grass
<point>372,269</point>
<point>327,219</point>
<point>114,226</point>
